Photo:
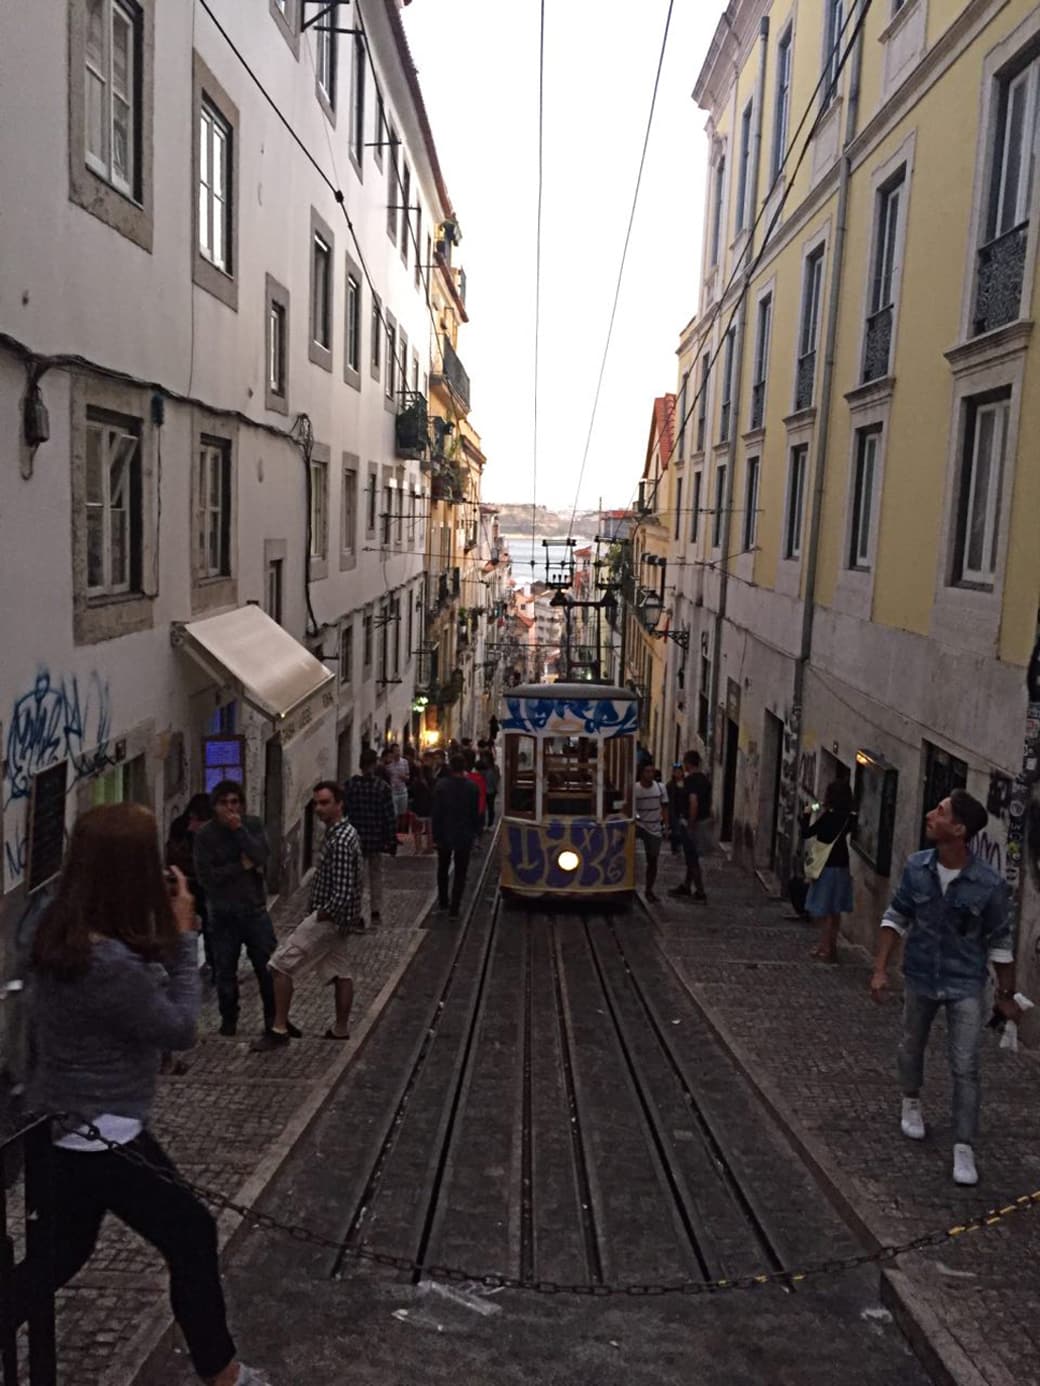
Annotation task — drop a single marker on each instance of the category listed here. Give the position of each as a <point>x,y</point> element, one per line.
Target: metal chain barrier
<point>265,1222</point>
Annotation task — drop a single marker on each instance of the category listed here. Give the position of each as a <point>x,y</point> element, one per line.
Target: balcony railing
<point>806,382</point>
<point>412,429</point>
<point>453,371</point>
<point>877,349</point>
<point>1001,272</point>
<point>758,404</point>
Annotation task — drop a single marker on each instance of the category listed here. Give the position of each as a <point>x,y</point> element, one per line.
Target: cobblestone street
<point>228,1123</point>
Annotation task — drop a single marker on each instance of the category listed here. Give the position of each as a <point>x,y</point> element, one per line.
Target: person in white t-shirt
<point>651,821</point>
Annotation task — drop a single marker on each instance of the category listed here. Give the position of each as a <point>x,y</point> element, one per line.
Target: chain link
<point>261,1221</point>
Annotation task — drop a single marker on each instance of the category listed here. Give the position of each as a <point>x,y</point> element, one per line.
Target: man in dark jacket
<point>370,808</point>
<point>231,852</point>
<point>456,826</point>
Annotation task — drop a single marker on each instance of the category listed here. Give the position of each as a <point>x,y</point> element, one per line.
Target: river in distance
<point>522,550</point>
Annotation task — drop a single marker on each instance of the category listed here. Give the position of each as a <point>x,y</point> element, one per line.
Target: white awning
<point>267,667</point>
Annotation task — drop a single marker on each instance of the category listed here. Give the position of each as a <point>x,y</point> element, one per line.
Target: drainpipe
<point>736,409</point>
<point>822,439</point>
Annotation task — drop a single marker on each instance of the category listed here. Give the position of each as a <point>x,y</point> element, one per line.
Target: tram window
<point>520,767</point>
<point>617,777</point>
<point>569,769</point>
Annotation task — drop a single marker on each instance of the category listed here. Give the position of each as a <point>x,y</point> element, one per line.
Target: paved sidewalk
<point>228,1123</point>
<point>824,1057</point>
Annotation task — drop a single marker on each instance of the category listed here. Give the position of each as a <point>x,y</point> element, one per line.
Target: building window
<point>745,201</point>
<point>284,12</point>
<point>702,402</point>
<point>276,346</point>
<point>877,349</point>
<point>834,23</point>
<point>981,490</point>
<point>704,698</point>
<point>751,504</point>
<point>412,506</point>
<point>695,506</point>
<point>376,355</point>
<point>399,502</point>
<point>381,126</point>
<point>319,508</point>
<point>366,642</point>
<point>112,102</point>
<point>1002,257</point>
<point>678,504</point>
<point>214,187</point>
<point>418,246</point>
<point>868,440</point>
<point>321,282</point>
<point>213,509</point>
<point>809,330</point>
<point>113,503</point>
<point>273,589</point>
<point>392,190</point>
<point>325,56</point>
<point>406,212</point>
<point>725,409</point>
<point>763,335</point>
<point>388,511</point>
<point>720,194</point>
<point>795,509</point>
<point>348,539</point>
<point>370,503</point>
<point>943,773</point>
<point>720,503</point>
<point>346,653</point>
<point>353,308</point>
<point>782,103</point>
<point>357,107</point>
<point>681,422</point>
<point>391,358</point>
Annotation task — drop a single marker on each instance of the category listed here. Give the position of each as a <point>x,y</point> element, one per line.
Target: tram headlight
<point>568,860</point>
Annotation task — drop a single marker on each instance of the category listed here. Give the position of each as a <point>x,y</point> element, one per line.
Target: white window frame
<point>885,269</point>
<point>696,497</point>
<point>390,328</point>
<point>214,132</point>
<point>1026,81</point>
<point>325,37</point>
<point>276,348</point>
<point>102,74</point>
<point>983,576</point>
<point>866,468</point>
<point>812,303</point>
<point>212,526</point>
<point>794,502</point>
<point>319,509</point>
<point>353,310</point>
<point>752,486</point>
<point>833,25</point>
<point>782,101</point>
<point>897,168</point>
<point>349,511</point>
<point>717,525</point>
<point>718,205</point>
<point>321,314</point>
<point>745,203</point>
<point>274,589</point>
<point>729,349</point>
<point>113,439</point>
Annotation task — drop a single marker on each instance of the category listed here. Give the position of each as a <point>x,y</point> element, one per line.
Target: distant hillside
<point>516,519</point>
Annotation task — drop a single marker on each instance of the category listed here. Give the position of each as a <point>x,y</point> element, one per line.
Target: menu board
<point>45,833</point>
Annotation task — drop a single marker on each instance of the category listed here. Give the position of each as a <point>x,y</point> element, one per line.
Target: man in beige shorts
<point>319,942</point>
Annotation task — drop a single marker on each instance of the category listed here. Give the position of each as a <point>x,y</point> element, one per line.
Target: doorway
<point>729,779</point>
<point>769,787</point>
<point>344,758</point>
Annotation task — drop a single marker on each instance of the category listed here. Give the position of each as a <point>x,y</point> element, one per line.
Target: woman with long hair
<point>115,982</point>
<point>830,895</point>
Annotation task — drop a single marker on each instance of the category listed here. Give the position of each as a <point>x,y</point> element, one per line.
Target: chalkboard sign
<point>46,826</point>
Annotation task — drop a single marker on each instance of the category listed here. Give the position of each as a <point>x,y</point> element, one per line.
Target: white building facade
<point>215,292</point>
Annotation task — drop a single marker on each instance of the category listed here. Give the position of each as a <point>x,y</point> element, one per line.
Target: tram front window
<point>569,776</point>
<point>617,777</point>
<point>520,762</point>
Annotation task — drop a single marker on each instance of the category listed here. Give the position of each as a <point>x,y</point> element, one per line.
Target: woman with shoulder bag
<point>827,866</point>
<point>115,981</point>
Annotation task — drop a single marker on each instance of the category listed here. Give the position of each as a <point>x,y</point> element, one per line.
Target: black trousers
<point>458,884</point>
<point>88,1184</point>
<point>230,931</point>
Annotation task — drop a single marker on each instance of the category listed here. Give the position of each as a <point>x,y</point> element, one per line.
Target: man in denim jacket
<point>951,910</point>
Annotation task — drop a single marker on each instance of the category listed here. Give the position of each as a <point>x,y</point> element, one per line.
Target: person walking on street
<point>676,803</point>
<point>319,942</point>
<point>456,826</point>
<point>694,815</point>
<point>370,808</point>
<point>115,981</point>
<point>651,805</point>
<point>475,775</point>
<point>420,800</point>
<point>180,852</point>
<point>231,852</point>
<point>951,911</point>
<point>492,779</point>
<point>493,729</point>
<point>830,894</point>
<point>398,772</point>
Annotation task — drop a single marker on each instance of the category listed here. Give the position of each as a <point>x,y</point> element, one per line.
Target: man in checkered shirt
<point>319,942</point>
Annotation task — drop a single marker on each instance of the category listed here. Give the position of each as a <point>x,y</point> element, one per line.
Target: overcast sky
<point>478,65</point>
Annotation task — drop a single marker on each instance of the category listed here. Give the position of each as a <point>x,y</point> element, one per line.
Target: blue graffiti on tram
<point>592,716</point>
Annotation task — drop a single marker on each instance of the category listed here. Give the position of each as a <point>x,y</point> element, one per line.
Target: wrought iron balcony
<point>453,371</point>
<point>878,347</point>
<point>806,382</point>
<point>758,404</point>
<point>412,428</point>
<point>1001,272</point>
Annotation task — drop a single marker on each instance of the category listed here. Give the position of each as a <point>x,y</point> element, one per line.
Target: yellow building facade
<point>859,564</point>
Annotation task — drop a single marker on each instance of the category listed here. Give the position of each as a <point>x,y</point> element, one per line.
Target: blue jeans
<point>963,1032</point>
<point>231,930</point>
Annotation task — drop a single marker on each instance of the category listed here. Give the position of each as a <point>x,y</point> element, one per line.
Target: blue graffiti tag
<point>603,850</point>
<point>55,721</point>
<point>602,716</point>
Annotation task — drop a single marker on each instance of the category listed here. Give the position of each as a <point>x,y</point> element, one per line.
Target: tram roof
<point>589,692</point>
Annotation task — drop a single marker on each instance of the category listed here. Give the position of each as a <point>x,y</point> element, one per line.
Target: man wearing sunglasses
<point>231,853</point>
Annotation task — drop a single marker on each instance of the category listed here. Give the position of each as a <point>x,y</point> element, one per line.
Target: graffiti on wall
<point>56,719</point>
<point>604,850</point>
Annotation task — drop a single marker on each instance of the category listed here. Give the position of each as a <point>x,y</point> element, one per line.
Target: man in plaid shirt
<point>370,807</point>
<point>319,942</point>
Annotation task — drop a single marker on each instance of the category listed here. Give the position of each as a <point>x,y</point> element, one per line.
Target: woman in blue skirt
<point>830,895</point>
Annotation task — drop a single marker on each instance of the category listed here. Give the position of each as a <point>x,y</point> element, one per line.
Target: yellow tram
<point>568,827</point>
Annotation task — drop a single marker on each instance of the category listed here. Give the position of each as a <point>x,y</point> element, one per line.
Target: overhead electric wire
<point>538,270</point>
<point>621,266</point>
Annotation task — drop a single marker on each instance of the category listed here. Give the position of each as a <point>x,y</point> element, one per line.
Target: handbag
<point>817,854</point>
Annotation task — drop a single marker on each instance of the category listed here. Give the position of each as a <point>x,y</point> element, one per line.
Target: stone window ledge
<point>991,348</point>
<point>871,394</point>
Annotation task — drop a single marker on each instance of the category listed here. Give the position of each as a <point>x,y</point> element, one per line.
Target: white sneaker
<point>249,1376</point>
<point>964,1171</point>
<point>912,1123</point>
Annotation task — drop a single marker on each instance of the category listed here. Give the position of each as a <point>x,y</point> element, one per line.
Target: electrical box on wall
<point>876,785</point>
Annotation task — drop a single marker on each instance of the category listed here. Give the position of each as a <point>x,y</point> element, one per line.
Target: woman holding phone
<point>830,894</point>
<point>115,982</point>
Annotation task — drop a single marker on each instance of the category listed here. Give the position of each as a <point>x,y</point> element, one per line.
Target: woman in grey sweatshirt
<point>115,982</point>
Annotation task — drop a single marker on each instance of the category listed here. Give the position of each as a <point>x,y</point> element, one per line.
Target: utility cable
<point>538,276</point>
